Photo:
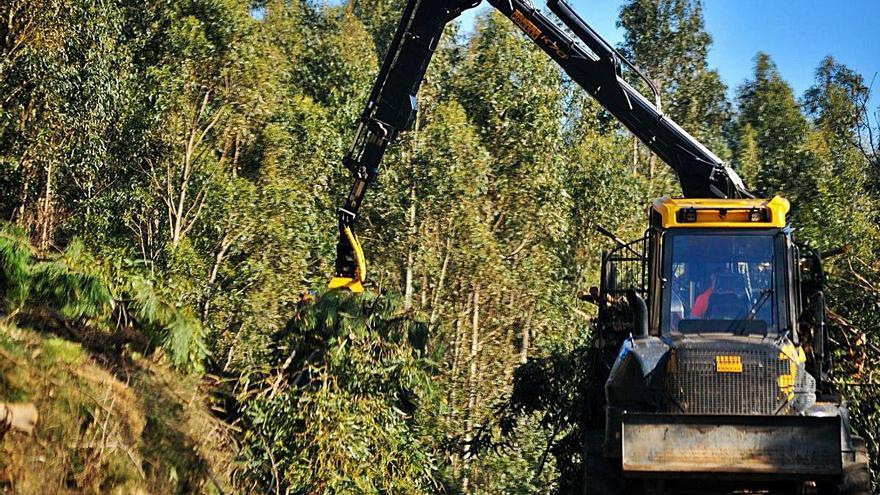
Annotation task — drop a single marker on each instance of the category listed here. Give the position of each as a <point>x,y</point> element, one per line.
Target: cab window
<point>720,283</point>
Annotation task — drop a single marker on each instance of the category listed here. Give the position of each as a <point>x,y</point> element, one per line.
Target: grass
<point>129,425</point>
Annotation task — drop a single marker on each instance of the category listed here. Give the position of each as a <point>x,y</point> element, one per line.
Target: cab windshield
<point>720,283</point>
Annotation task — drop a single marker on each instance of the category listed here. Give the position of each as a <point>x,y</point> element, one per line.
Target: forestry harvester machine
<point>719,370</point>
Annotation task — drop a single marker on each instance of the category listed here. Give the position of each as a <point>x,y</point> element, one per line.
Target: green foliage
<point>380,17</point>
<point>67,282</point>
<point>59,136</point>
<point>338,64</point>
<point>667,39</point>
<point>174,326</point>
<point>564,393</point>
<point>193,147</point>
<point>748,160</point>
<point>767,104</point>
<point>72,283</point>
<point>342,405</point>
<point>603,188</point>
<point>15,260</point>
<point>525,465</point>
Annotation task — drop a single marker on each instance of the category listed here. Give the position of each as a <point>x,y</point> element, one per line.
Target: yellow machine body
<point>727,213</point>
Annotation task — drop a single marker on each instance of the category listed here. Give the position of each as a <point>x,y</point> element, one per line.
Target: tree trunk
<point>23,195</point>
<point>423,290</point>
<point>236,153</point>
<point>408,291</point>
<point>635,156</point>
<point>219,256</point>
<point>21,417</point>
<point>183,210</point>
<point>454,382</point>
<point>472,384</point>
<point>46,211</point>
<point>178,206</point>
<point>438,289</point>
<point>411,220</point>
<point>458,342</point>
<point>526,337</point>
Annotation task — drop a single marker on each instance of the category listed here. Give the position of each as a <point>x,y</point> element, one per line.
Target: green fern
<point>71,284</point>
<point>175,329</point>
<point>15,260</point>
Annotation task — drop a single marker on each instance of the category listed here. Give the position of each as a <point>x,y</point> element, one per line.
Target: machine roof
<point>727,213</point>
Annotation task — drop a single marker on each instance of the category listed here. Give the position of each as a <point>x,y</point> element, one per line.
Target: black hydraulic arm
<point>391,108</point>
<point>598,71</point>
<point>588,59</point>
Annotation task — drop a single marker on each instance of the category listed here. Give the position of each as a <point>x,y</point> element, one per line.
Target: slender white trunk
<point>472,385</point>
<point>526,337</point>
<point>408,291</point>
<point>47,213</point>
<point>635,156</point>
<point>438,289</point>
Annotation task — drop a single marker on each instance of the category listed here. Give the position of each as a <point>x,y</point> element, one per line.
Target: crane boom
<point>588,60</point>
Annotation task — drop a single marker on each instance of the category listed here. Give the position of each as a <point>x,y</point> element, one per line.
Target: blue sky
<point>796,34</point>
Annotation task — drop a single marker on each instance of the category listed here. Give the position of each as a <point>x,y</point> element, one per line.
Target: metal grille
<point>623,269</point>
<point>692,385</point>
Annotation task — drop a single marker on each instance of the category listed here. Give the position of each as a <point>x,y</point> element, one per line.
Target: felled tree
<point>73,286</point>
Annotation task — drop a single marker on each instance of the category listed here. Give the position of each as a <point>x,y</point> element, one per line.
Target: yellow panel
<point>347,283</point>
<point>353,284</point>
<point>794,355</point>
<point>728,364</point>
<point>729,213</point>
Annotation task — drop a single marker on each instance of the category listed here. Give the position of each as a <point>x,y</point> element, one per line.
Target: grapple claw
<point>350,263</point>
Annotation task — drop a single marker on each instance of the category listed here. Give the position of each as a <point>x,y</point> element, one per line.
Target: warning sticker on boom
<point>525,24</point>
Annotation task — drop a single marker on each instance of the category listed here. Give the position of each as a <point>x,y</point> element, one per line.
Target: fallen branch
<point>849,326</point>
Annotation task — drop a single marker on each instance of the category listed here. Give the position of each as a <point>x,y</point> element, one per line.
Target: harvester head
<point>351,267</point>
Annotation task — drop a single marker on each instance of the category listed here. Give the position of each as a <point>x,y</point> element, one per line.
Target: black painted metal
<point>596,67</point>
<point>691,384</point>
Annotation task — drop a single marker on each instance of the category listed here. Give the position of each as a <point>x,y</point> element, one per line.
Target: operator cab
<point>718,266</point>
<point>709,266</point>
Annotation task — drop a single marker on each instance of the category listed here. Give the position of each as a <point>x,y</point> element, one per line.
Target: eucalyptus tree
<point>59,138</point>
<point>840,172</point>
<point>667,39</point>
<point>380,17</point>
<point>346,405</point>
<point>843,211</point>
<point>270,224</point>
<point>514,96</point>
<point>767,104</point>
